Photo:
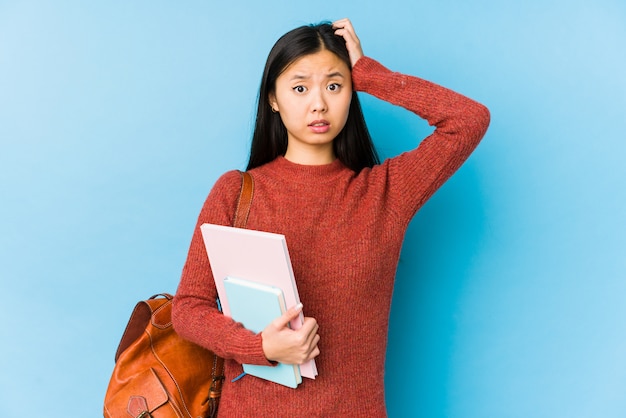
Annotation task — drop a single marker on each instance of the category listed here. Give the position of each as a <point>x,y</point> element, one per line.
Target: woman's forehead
<point>324,63</point>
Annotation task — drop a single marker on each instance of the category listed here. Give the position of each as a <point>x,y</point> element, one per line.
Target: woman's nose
<point>318,103</point>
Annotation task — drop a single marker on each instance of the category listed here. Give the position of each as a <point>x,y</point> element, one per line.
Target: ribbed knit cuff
<point>251,351</point>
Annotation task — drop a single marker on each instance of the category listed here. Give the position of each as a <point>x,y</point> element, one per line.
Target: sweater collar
<point>305,173</point>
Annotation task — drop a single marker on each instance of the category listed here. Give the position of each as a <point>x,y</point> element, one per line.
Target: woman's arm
<point>460,123</point>
<point>194,311</point>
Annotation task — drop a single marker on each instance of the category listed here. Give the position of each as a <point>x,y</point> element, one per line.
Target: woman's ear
<point>273,103</point>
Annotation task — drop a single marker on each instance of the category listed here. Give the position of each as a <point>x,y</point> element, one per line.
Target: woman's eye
<point>334,87</point>
<point>299,89</point>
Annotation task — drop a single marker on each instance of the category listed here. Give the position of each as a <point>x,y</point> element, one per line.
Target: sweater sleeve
<point>460,123</point>
<point>194,311</point>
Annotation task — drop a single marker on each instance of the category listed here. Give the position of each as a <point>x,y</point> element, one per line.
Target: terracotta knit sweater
<point>344,232</point>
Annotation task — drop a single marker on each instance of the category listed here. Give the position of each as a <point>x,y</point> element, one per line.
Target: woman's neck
<point>311,155</point>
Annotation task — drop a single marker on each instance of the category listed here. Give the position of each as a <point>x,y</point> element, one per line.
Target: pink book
<point>257,256</point>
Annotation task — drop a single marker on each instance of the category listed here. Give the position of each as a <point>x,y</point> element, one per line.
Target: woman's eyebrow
<point>335,74</point>
<point>297,77</point>
<point>300,77</point>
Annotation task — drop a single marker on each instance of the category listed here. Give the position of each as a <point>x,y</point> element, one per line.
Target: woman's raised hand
<point>285,345</point>
<point>343,28</point>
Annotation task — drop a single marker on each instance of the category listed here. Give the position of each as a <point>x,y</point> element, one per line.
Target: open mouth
<point>319,126</point>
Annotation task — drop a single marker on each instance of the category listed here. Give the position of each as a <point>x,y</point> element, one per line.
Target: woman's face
<point>313,97</point>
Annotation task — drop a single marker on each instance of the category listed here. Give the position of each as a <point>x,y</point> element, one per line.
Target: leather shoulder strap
<point>241,219</point>
<point>245,200</point>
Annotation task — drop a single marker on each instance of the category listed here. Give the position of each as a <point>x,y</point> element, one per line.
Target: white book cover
<point>257,256</point>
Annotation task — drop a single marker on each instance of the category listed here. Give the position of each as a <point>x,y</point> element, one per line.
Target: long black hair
<point>353,146</point>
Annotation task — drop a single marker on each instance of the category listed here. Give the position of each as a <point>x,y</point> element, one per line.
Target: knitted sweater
<point>344,232</point>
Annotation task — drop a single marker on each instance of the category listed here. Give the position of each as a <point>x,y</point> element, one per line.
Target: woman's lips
<point>319,126</point>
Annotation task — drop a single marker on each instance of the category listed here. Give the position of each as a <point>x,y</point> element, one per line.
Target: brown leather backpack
<point>157,373</point>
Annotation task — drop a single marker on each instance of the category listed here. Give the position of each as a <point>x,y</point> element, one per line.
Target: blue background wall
<point>116,117</point>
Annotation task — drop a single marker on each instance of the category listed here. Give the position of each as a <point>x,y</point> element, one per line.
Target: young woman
<point>318,181</point>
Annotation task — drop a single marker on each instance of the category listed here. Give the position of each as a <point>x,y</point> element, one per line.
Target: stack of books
<point>255,283</point>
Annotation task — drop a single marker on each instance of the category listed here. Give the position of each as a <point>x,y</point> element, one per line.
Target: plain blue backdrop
<point>116,117</point>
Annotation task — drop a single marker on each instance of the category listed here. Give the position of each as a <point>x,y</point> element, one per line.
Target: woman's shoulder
<point>222,199</point>
<point>227,185</point>
<point>228,178</point>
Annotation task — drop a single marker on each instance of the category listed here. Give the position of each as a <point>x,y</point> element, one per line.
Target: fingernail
<point>298,306</point>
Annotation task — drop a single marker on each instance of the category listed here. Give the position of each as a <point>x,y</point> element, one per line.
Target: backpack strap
<point>241,218</point>
<point>245,200</point>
